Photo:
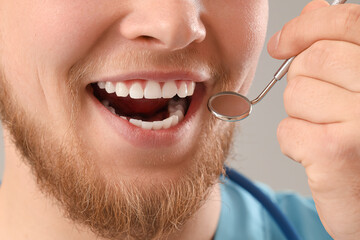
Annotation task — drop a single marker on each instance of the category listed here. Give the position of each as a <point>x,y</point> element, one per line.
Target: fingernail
<point>274,40</point>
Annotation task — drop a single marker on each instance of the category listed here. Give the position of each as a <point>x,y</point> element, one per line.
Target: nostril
<point>149,39</point>
<point>145,37</point>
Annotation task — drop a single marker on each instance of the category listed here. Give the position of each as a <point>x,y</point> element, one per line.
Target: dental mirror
<point>233,107</point>
<point>229,106</point>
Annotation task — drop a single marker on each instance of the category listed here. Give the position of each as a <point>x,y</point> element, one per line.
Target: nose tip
<point>172,26</point>
<point>176,35</point>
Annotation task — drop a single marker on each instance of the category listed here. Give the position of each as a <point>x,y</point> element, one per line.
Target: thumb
<point>274,40</point>
<point>313,5</point>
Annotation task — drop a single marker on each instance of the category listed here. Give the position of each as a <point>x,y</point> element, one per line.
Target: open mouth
<point>147,104</point>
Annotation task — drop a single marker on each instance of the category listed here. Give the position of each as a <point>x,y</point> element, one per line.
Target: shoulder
<point>243,217</point>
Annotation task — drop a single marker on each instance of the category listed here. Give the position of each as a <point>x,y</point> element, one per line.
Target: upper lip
<point>160,76</point>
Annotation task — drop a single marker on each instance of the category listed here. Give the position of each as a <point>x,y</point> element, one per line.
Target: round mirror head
<point>229,106</point>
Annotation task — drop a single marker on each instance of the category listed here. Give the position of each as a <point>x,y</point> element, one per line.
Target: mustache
<point>135,60</point>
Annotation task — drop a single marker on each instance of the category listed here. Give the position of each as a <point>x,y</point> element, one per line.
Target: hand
<point>322,99</point>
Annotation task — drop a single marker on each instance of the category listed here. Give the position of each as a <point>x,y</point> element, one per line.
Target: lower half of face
<point>143,154</point>
<point>152,186</point>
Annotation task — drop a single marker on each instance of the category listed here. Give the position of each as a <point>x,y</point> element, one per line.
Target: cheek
<point>42,40</point>
<point>52,30</point>
<point>240,30</point>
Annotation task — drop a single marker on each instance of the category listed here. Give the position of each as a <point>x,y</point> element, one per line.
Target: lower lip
<point>140,137</point>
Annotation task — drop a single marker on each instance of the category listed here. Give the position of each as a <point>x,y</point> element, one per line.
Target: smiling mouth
<point>147,104</point>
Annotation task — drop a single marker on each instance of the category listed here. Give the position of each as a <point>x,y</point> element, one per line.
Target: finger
<point>341,22</point>
<point>333,61</point>
<point>319,102</point>
<point>313,5</point>
<point>321,146</point>
<point>304,141</point>
<point>297,138</point>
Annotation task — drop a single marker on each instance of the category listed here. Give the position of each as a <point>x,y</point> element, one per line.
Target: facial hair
<point>113,208</point>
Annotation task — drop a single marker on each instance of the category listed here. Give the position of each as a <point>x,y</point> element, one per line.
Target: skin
<point>322,101</point>
<point>51,37</point>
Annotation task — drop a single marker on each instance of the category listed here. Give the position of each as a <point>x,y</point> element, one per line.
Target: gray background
<point>256,150</point>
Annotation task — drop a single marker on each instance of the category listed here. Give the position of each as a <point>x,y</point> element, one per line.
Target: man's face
<point>56,57</point>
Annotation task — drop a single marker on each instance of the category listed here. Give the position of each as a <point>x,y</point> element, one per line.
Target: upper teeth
<point>152,89</point>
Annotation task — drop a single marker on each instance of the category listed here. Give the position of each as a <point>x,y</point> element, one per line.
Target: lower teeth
<point>176,115</point>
